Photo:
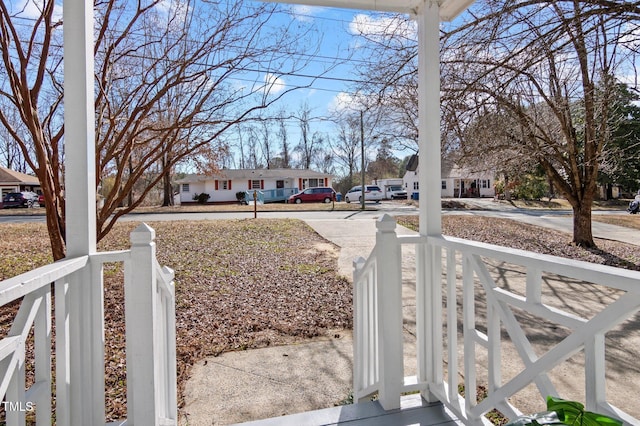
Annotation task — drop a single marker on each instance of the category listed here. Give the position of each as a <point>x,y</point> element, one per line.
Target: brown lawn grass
<point>631,221</point>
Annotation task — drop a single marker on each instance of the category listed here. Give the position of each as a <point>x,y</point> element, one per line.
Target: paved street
<point>561,220</point>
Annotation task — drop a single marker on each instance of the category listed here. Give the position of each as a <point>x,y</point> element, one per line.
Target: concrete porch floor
<point>414,411</point>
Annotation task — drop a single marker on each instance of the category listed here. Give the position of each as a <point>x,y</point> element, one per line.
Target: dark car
<point>41,200</point>
<point>19,199</point>
<point>310,195</point>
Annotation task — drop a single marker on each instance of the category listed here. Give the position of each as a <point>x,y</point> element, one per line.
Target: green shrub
<point>201,198</point>
<point>530,187</point>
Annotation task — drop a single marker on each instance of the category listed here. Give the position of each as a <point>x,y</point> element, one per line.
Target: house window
<point>279,184</point>
<point>486,183</point>
<point>185,187</point>
<point>312,183</point>
<point>255,184</point>
<point>444,184</point>
<point>415,186</point>
<point>224,185</point>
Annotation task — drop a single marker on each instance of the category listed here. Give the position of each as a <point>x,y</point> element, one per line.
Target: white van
<point>371,193</point>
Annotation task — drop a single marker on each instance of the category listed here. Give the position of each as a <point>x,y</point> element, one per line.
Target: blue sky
<point>335,27</point>
<point>337,32</point>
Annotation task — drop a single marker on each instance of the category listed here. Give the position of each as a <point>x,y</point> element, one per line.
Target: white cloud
<point>383,26</point>
<point>305,13</point>
<point>32,10</point>
<point>273,84</point>
<point>347,102</point>
<point>238,85</point>
<point>631,36</point>
<point>164,6</point>
<point>178,10</point>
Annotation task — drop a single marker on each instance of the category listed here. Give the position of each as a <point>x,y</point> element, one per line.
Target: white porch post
<point>141,308</point>
<point>84,384</point>
<point>389,284</point>
<point>428,325</point>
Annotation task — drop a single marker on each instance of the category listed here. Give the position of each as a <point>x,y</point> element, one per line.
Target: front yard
<point>240,284</point>
<point>243,284</point>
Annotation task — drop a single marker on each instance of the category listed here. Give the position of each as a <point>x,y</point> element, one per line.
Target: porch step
<point>414,411</point>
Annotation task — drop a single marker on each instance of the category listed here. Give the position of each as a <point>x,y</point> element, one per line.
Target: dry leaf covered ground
<point>252,283</point>
<point>239,284</point>
<point>505,232</point>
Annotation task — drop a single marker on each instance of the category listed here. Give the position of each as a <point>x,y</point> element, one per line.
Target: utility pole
<point>362,188</point>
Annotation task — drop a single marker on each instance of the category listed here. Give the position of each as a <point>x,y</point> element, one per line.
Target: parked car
<point>371,193</point>
<point>310,195</point>
<point>41,200</point>
<point>396,193</point>
<point>19,199</point>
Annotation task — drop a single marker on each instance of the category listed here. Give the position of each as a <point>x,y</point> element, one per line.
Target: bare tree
<point>190,88</point>
<point>10,154</point>
<point>536,76</point>
<point>322,159</point>
<point>306,146</point>
<point>346,147</point>
<point>241,146</point>
<point>31,62</point>
<point>389,86</point>
<point>536,80</point>
<point>164,91</point>
<point>267,143</point>
<point>284,143</point>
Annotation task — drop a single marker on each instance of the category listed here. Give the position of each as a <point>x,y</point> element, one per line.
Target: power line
<point>331,61</point>
<point>314,57</point>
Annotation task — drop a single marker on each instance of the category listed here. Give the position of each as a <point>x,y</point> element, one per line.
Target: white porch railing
<point>513,287</point>
<point>150,336</point>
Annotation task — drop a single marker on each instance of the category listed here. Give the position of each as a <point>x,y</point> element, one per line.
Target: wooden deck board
<point>414,411</point>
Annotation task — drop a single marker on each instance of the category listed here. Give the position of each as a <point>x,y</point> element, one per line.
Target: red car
<point>310,195</point>
<point>41,200</point>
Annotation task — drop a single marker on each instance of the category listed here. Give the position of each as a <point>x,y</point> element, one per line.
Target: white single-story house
<point>12,181</point>
<point>456,182</point>
<point>272,184</point>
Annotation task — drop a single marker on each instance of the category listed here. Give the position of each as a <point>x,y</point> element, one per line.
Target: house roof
<point>449,169</point>
<point>11,177</point>
<point>255,174</point>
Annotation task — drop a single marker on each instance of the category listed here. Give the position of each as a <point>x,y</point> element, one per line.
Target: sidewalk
<point>275,381</point>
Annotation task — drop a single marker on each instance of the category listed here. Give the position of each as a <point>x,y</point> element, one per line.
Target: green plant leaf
<point>572,413</point>
<point>596,419</point>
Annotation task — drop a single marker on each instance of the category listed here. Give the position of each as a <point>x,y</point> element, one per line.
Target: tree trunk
<point>582,233</point>
<point>56,228</point>
<point>167,188</point>
<point>130,193</point>
<point>55,212</point>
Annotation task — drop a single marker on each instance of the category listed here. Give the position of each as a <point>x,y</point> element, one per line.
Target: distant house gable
<point>12,181</point>
<point>456,181</point>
